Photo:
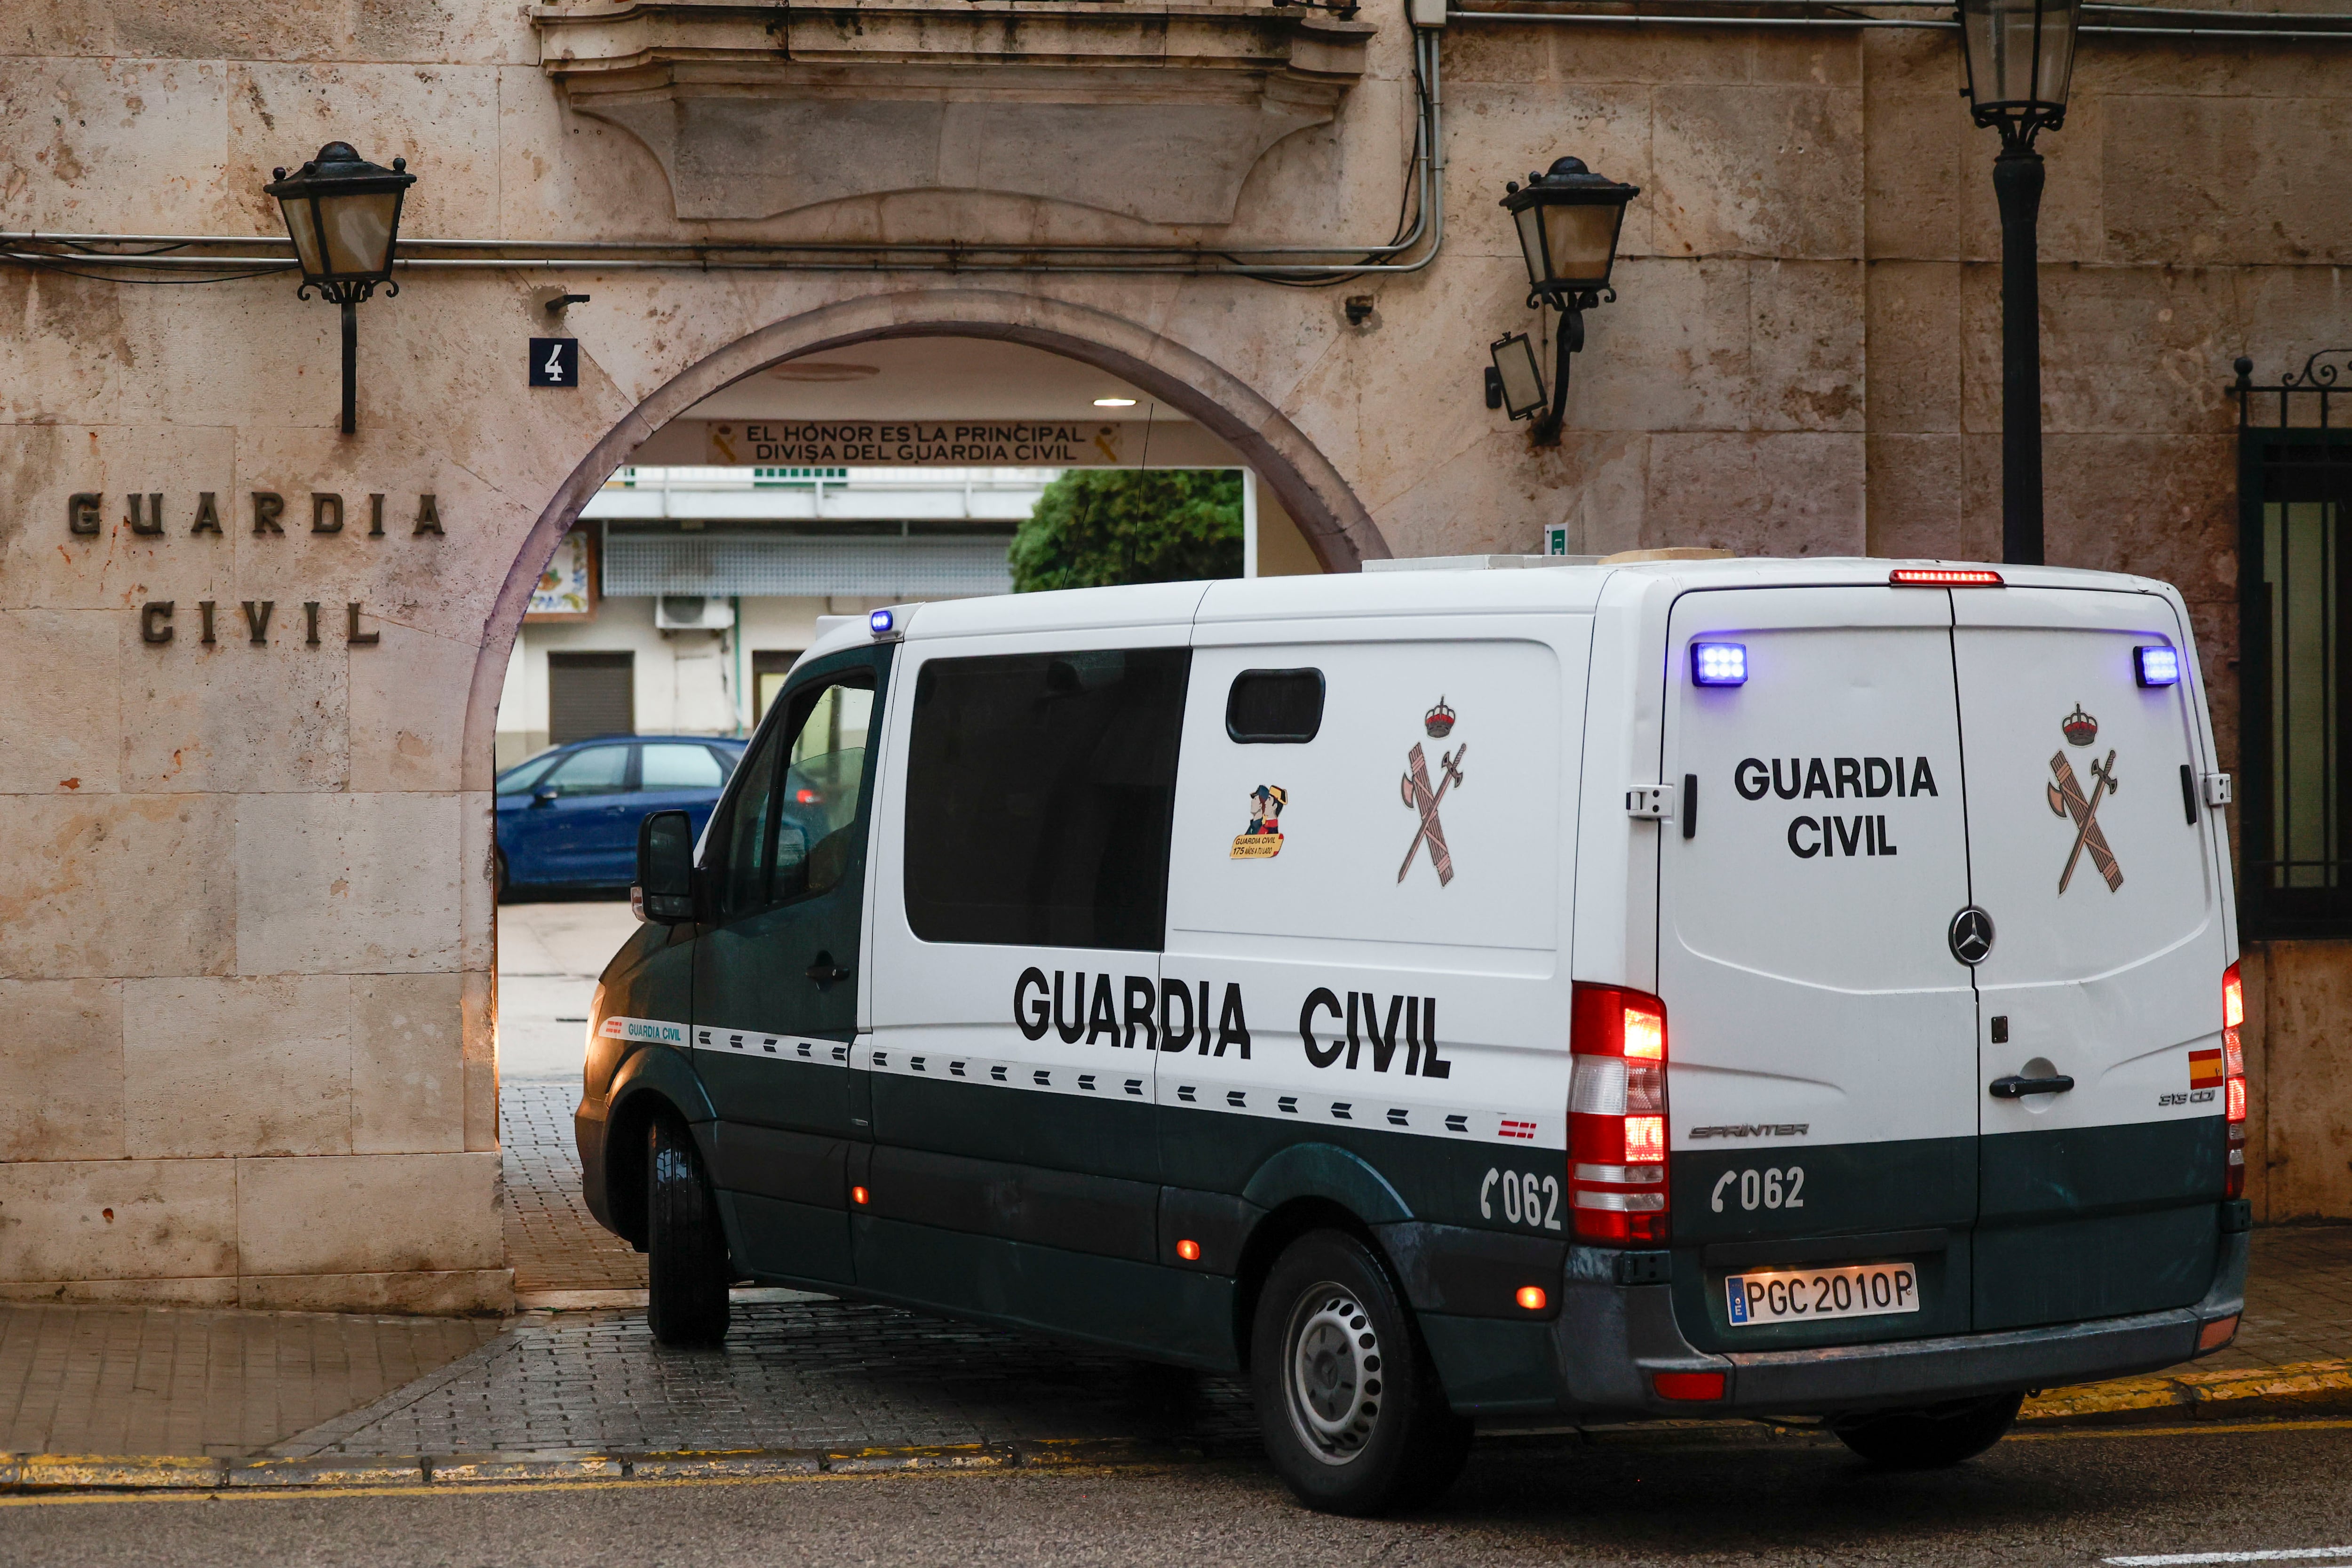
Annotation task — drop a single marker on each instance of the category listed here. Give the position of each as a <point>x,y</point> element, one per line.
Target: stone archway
<point>1335,523</point>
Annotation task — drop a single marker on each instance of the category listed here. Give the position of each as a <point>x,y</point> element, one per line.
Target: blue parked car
<point>568,817</point>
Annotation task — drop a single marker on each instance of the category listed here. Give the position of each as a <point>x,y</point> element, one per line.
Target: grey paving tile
<point>552,1242</point>
<point>790,1376</point>
<point>161,1380</point>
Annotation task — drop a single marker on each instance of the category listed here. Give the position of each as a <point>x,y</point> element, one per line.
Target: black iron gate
<point>2294,796</point>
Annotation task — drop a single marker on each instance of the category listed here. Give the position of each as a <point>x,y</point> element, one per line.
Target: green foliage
<point>1095,527</point>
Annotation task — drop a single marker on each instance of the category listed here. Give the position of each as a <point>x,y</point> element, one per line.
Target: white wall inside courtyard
<point>684,683</point>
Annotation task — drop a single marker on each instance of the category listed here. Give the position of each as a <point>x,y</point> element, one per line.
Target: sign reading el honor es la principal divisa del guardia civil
<point>977,443</point>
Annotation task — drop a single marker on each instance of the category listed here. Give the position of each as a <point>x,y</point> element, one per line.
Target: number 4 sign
<point>555,362</point>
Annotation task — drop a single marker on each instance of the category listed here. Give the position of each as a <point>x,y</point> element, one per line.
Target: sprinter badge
<point>2066,799</point>
<point>1262,839</point>
<point>1415,787</point>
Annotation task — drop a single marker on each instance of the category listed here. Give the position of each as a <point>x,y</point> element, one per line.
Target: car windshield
<point>519,779</point>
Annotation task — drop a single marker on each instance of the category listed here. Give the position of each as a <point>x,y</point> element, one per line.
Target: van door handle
<point>2016,1087</point>
<point>825,971</point>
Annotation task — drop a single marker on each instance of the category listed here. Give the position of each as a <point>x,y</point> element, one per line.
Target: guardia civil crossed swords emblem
<point>2066,799</point>
<point>1438,723</point>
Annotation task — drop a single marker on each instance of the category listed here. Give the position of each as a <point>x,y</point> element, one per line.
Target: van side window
<point>1282,706</point>
<point>793,836</point>
<point>817,826</point>
<point>1040,788</point>
<point>746,843</point>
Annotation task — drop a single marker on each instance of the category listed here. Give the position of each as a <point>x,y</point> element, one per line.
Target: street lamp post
<point>2020,53</point>
<point>1568,219</point>
<point>343,214</point>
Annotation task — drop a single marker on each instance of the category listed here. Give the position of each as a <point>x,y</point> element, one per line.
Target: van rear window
<point>1039,793</point>
<point>1282,706</point>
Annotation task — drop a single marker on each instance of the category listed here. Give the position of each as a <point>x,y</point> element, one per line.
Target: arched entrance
<point>544,972</point>
<point>1335,524</point>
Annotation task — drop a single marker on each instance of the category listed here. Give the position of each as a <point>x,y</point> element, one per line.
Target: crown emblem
<point>1438,721</point>
<point>2080,727</point>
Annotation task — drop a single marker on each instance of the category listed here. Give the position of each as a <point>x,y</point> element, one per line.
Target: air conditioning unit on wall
<point>692,613</point>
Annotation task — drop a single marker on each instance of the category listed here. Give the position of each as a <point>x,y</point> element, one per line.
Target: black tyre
<point>686,1274</point>
<point>1350,1410</point>
<point>498,876</point>
<point>1933,1438</point>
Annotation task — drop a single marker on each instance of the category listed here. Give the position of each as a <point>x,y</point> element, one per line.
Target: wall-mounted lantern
<point>1568,219</point>
<point>2021,58</point>
<point>343,214</point>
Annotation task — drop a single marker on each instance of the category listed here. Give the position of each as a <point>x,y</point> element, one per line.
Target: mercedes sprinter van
<point>1462,998</point>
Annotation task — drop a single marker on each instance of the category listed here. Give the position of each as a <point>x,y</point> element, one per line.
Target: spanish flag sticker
<point>2205,1070</point>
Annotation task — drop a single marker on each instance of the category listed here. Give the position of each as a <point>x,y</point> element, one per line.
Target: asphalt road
<point>2078,1497</point>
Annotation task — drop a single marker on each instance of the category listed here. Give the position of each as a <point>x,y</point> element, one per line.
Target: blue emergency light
<point>1719,663</point>
<point>2157,666</point>
<point>881,621</point>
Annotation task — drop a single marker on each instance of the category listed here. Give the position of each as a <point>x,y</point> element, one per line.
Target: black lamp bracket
<point>1565,299</point>
<point>345,293</point>
<point>1568,342</point>
<point>2017,128</point>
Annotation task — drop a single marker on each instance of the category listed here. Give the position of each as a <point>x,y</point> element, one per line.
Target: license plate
<point>1801,1295</point>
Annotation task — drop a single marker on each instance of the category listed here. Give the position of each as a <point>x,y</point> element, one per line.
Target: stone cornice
<point>1152,110</point>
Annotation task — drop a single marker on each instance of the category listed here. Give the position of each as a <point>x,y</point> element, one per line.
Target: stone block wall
<point>247,929</point>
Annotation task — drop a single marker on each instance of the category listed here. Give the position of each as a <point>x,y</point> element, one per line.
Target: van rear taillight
<point>1944,577</point>
<point>2233,1079</point>
<point>1617,1115</point>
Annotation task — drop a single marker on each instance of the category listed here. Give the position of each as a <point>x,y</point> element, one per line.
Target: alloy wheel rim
<point>1332,1376</point>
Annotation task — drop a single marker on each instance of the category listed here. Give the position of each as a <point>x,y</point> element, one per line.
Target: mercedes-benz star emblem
<point>1971,936</point>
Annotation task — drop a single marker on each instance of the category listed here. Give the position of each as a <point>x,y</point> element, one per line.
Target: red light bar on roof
<point>1943,577</point>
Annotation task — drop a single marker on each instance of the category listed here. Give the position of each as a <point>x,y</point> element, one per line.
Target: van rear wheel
<point>1933,1438</point>
<point>1350,1410</point>
<point>685,1250</point>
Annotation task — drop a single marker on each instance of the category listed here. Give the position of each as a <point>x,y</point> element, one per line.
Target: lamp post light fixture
<point>343,214</point>
<point>1567,218</point>
<point>2021,55</point>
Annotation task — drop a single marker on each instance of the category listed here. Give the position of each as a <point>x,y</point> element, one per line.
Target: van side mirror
<point>665,890</point>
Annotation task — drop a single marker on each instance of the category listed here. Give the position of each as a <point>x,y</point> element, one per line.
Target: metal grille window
<point>749,566</point>
<point>2296,805</point>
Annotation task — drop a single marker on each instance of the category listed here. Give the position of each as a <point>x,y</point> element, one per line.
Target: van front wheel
<point>1351,1411</point>
<point>685,1250</point>
<point>1933,1438</point>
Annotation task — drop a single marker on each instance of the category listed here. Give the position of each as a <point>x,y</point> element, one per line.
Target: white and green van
<point>1468,998</point>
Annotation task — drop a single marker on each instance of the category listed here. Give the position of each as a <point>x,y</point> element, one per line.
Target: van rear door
<point>2091,854</point>
<point>1821,1068</point>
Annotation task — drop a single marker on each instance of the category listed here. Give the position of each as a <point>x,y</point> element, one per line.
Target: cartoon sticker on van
<point>1262,839</point>
<point>1415,787</point>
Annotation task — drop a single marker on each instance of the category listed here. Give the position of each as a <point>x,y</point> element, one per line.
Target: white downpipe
<point>1249,522</point>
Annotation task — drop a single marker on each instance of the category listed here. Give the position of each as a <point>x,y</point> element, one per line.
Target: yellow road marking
<point>479,1489</point>
<point>2194,1429</point>
<point>1139,1466</point>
